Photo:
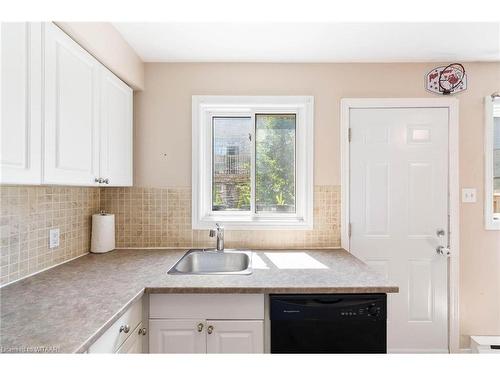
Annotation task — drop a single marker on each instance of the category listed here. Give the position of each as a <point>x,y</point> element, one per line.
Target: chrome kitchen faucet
<point>219,231</point>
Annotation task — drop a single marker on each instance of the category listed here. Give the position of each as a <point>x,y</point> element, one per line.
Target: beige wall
<point>107,45</point>
<point>163,126</point>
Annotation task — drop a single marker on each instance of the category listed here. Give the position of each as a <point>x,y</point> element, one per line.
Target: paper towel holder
<point>102,237</point>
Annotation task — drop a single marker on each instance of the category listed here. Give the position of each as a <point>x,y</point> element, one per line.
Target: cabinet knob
<point>125,328</point>
<point>98,180</point>
<point>106,180</point>
<point>200,327</point>
<point>210,329</point>
<point>142,331</point>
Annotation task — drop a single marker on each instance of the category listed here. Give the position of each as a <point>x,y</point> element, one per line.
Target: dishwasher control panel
<point>332,307</point>
<point>371,311</point>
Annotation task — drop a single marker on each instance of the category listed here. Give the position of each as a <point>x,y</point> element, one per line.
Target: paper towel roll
<point>103,233</point>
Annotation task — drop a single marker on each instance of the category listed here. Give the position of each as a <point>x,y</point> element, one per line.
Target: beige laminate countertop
<point>66,308</point>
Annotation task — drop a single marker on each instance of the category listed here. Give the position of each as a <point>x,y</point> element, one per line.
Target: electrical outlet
<point>469,195</point>
<point>53,238</point>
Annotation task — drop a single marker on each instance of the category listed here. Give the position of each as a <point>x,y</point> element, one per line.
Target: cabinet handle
<point>142,331</point>
<point>200,327</point>
<point>125,328</point>
<point>210,329</point>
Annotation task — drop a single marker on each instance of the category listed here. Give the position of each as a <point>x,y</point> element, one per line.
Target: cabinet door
<point>133,344</point>
<point>235,336</point>
<point>21,122</point>
<point>176,336</point>
<point>71,111</point>
<point>115,131</point>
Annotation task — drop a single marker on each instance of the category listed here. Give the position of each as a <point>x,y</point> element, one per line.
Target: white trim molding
<point>491,110</point>
<point>204,109</point>
<point>453,189</point>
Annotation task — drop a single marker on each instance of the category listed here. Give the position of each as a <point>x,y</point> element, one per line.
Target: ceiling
<point>312,42</point>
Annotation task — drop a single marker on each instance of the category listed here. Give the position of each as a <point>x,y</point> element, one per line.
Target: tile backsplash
<point>26,215</point>
<point>145,217</point>
<point>161,217</point>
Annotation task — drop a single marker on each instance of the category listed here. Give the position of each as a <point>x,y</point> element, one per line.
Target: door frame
<point>453,189</point>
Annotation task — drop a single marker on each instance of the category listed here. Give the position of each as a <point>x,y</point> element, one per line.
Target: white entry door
<point>398,207</point>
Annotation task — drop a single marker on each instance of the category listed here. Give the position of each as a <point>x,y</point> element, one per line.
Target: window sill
<point>253,223</point>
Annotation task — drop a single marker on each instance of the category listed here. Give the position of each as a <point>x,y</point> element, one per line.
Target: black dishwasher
<point>328,323</point>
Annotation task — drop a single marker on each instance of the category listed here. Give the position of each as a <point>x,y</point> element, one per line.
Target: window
<point>253,162</point>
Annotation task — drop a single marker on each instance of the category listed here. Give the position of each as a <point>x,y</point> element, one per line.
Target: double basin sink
<point>213,262</point>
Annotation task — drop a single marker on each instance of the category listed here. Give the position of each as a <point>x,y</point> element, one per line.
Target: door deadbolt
<point>440,233</point>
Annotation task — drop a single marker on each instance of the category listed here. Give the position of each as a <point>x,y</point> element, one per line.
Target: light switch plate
<point>469,195</point>
<point>53,238</point>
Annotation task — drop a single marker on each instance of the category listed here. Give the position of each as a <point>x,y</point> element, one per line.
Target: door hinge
<point>349,230</point>
<point>349,134</point>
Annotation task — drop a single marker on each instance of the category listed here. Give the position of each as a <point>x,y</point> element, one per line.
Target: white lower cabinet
<point>211,336</point>
<point>176,336</point>
<point>204,323</point>
<point>235,336</point>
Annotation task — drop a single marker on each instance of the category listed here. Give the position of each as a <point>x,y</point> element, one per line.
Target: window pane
<point>275,163</point>
<point>231,163</point>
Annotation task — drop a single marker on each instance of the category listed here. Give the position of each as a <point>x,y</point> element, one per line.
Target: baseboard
<point>417,351</point>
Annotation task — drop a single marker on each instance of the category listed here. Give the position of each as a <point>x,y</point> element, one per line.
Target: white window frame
<point>491,110</point>
<point>204,108</point>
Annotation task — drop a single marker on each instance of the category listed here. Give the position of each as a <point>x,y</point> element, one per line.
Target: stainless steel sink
<point>213,262</point>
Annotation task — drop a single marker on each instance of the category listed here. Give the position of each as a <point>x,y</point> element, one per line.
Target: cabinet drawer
<point>133,344</point>
<point>111,340</point>
<point>206,306</point>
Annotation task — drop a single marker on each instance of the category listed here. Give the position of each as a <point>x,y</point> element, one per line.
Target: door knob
<point>442,250</point>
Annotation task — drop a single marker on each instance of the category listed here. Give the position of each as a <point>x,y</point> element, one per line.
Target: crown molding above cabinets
<point>70,121</point>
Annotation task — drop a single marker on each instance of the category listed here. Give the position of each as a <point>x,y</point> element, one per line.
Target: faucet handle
<point>211,233</point>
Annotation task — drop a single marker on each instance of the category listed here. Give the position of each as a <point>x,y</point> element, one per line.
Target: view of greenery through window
<point>275,163</point>
<point>274,169</point>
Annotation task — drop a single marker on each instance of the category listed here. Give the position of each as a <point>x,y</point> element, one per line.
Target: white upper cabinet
<point>21,128</point>
<point>71,111</point>
<point>115,131</point>
<point>83,134</point>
